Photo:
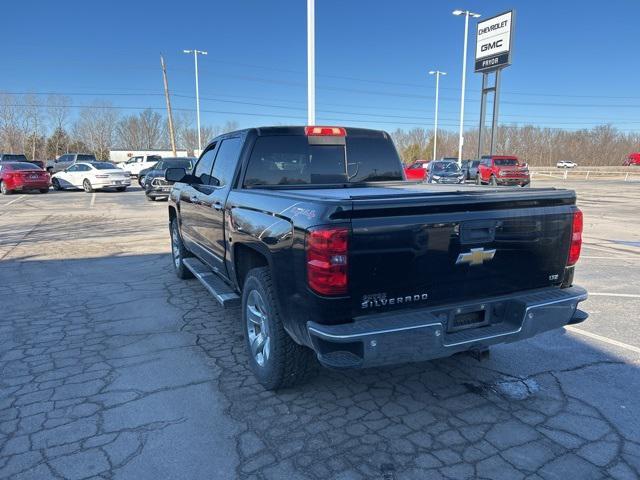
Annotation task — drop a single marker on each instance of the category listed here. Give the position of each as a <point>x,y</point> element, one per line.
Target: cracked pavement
<point>111,367</point>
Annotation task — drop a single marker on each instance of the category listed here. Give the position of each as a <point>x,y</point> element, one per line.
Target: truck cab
<point>139,162</point>
<point>632,160</point>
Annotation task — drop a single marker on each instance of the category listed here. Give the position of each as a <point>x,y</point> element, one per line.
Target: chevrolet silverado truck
<point>331,254</point>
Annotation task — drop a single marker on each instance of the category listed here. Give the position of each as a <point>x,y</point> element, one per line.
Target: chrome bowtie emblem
<point>476,256</point>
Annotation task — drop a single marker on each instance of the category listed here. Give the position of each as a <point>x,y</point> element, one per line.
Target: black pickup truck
<point>332,254</point>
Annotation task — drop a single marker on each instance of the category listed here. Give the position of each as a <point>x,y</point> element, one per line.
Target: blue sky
<point>576,63</point>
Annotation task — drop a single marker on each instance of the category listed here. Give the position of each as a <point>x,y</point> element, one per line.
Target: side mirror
<point>176,175</point>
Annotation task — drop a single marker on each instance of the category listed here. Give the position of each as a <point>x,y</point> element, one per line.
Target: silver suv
<point>68,159</point>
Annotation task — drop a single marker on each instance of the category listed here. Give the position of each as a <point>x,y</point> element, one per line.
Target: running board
<point>222,292</point>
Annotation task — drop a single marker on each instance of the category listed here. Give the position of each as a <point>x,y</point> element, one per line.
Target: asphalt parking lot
<point>111,367</point>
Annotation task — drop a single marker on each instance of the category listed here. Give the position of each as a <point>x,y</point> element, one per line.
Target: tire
<point>140,182</point>
<point>493,182</point>
<point>526,185</point>
<point>86,185</point>
<point>56,184</point>
<point>276,361</point>
<point>179,252</point>
<point>120,189</point>
<point>478,181</point>
<point>44,190</point>
<point>4,190</point>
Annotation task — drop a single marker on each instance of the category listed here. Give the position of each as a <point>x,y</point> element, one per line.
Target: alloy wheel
<point>258,328</point>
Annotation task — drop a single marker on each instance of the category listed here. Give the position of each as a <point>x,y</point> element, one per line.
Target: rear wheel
<point>56,184</point>
<point>275,359</point>
<point>44,190</point>
<point>478,181</point>
<point>493,182</point>
<point>179,252</point>
<point>4,190</point>
<point>86,185</point>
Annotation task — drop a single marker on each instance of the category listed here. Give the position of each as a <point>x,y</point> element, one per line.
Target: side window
<point>226,161</point>
<point>72,168</point>
<point>202,172</point>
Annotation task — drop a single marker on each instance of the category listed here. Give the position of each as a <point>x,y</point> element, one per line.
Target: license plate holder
<point>467,320</point>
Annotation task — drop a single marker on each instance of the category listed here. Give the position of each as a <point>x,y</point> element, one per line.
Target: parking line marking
<point>93,200</point>
<point>623,295</point>
<point>13,201</point>
<point>600,338</point>
<point>629,257</point>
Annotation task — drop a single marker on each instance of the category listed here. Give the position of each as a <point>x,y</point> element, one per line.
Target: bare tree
<point>96,127</point>
<point>33,142</point>
<point>58,108</point>
<point>11,127</point>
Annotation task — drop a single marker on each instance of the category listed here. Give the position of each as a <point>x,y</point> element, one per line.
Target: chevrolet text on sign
<point>493,42</point>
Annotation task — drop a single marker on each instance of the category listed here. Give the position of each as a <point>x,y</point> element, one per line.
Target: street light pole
<point>311,63</point>
<point>437,73</point>
<point>466,14</point>
<point>195,58</point>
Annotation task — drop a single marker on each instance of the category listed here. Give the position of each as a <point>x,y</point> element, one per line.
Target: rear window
<point>15,166</point>
<point>506,162</point>
<point>103,166</point>
<point>14,158</point>
<point>86,158</point>
<point>291,160</point>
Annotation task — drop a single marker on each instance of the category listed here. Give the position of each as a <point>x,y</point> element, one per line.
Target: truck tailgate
<point>432,250</point>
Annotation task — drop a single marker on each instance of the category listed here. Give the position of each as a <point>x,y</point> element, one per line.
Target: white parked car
<point>566,164</point>
<point>139,162</point>
<point>92,176</point>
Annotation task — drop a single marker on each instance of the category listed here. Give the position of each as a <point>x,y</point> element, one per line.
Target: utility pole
<point>437,73</point>
<point>466,14</point>
<point>172,134</point>
<point>195,59</point>
<point>311,63</point>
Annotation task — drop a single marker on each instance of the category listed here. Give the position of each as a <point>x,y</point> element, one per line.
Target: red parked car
<point>632,159</point>
<point>502,170</point>
<point>417,170</point>
<point>22,176</point>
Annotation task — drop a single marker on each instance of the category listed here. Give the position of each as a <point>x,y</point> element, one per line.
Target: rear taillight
<point>325,132</point>
<point>327,268</point>
<point>576,238</point>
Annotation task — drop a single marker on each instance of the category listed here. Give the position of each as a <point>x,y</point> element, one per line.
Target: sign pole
<point>311,63</point>
<point>483,111</point>
<point>496,103</point>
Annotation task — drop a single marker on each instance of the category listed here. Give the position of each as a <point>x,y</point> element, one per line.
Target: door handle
<point>217,206</point>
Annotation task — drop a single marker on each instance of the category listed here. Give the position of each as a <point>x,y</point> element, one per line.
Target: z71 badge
<point>380,300</point>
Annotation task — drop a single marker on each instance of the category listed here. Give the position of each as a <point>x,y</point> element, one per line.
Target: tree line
<point>44,128</point>
<point>599,146</point>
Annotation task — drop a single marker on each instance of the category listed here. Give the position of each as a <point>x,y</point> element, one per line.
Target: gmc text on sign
<point>493,42</point>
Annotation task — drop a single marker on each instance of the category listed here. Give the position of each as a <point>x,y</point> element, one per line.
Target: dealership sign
<point>493,42</point>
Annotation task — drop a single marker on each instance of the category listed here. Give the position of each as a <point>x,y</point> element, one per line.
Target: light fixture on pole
<point>195,58</point>
<point>437,73</point>
<point>311,63</point>
<point>466,14</point>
